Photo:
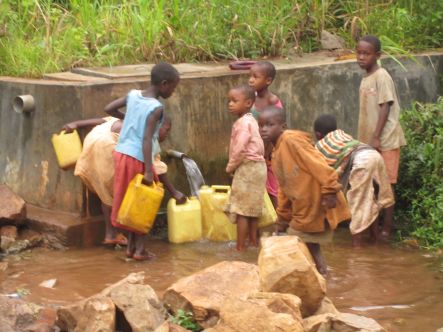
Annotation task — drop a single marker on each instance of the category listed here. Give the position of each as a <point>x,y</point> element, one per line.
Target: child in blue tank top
<point>133,153</point>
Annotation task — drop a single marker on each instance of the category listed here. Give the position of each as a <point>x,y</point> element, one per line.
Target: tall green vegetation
<point>40,36</point>
<point>420,189</point>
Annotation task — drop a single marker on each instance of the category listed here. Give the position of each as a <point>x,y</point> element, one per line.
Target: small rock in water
<point>8,235</point>
<point>50,283</point>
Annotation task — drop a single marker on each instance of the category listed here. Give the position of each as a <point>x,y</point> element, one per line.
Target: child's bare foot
<point>143,256</point>
<point>120,239</point>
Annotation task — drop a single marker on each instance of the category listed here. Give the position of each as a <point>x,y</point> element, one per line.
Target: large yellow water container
<point>67,148</point>
<point>184,221</point>
<point>140,205</point>
<point>215,223</point>
<point>269,215</point>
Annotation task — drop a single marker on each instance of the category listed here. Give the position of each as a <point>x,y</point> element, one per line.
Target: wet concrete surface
<point>401,288</point>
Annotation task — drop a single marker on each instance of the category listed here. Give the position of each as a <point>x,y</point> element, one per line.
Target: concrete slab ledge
<point>70,229</point>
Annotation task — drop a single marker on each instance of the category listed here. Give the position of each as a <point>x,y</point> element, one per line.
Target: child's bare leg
<point>253,231</point>
<point>110,231</point>
<point>112,236</point>
<point>141,254</point>
<point>356,240</point>
<point>320,263</point>
<point>242,232</point>
<point>387,221</point>
<point>374,233</point>
<point>130,249</point>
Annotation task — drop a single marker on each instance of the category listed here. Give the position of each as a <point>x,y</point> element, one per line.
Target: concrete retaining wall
<point>201,124</point>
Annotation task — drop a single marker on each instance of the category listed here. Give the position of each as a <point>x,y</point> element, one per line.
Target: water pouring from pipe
<point>195,177</point>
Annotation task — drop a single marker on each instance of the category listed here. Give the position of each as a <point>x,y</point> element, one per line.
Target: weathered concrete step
<point>68,228</point>
<point>143,70</point>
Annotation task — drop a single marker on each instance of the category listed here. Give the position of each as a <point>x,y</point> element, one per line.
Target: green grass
<point>41,36</point>
<point>419,208</point>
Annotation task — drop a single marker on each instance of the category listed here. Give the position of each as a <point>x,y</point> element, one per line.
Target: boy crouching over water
<point>310,201</point>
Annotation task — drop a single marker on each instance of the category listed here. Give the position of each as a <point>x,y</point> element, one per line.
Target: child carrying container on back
<point>310,203</point>
<point>133,154</point>
<point>247,165</point>
<point>93,166</point>
<point>262,74</point>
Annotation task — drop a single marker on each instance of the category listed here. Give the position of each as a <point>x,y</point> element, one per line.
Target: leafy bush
<point>186,320</point>
<point>419,192</point>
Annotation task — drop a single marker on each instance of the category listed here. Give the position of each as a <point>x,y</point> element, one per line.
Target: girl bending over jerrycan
<point>133,154</point>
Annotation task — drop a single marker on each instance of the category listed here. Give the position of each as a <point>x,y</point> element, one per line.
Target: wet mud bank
<point>398,287</point>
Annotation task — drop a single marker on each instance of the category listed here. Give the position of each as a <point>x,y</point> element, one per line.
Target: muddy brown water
<point>401,288</point>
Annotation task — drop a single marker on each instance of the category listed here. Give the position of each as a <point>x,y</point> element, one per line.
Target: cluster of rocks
<point>14,236</point>
<point>284,292</point>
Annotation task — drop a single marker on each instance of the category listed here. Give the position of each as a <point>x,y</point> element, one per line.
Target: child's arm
<point>382,119</point>
<point>284,212</point>
<point>71,126</point>
<point>151,121</point>
<point>113,108</point>
<point>313,162</point>
<point>179,196</point>
<point>239,142</point>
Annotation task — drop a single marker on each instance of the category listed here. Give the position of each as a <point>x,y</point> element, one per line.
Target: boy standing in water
<point>262,74</point>
<point>379,124</point>
<point>133,154</point>
<point>247,164</point>
<point>309,199</point>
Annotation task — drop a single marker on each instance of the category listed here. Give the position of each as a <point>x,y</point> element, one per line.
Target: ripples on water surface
<point>401,288</point>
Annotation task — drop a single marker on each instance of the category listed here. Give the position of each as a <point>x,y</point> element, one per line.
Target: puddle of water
<point>398,287</point>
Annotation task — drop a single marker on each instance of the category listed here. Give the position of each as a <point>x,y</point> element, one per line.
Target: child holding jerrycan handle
<point>247,165</point>
<point>133,153</point>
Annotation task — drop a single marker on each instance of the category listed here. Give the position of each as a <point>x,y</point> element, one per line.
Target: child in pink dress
<point>247,165</point>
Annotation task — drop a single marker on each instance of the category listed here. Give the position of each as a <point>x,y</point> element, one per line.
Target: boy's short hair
<point>278,112</point>
<point>163,72</point>
<point>325,123</point>
<point>373,40</point>
<point>267,67</point>
<point>247,91</point>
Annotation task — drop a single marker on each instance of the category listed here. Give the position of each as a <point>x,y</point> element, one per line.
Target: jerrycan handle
<point>139,181</point>
<point>221,189</point>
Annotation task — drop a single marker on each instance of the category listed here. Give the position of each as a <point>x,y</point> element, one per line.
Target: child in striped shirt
<point>362,173</point>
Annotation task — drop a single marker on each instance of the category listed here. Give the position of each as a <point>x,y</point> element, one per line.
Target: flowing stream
<point>401,288</point>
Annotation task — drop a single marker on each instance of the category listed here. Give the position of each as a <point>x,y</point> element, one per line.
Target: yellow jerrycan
<point>184,221</point>
<point>269,215</point>
<point>140,205</point>
<point>67,148</point>
<point>215,223</point>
